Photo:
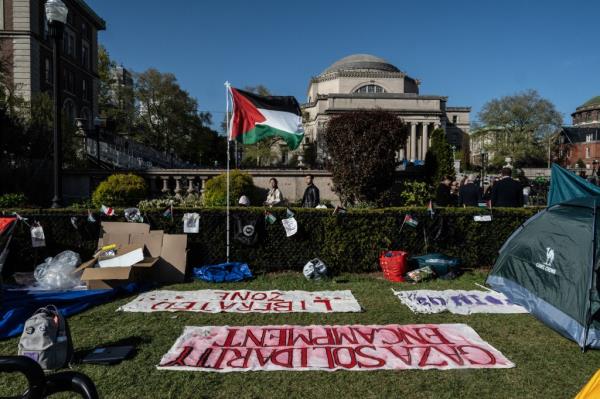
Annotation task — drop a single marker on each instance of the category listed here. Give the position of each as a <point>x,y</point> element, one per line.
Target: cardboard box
<point>165,256</point>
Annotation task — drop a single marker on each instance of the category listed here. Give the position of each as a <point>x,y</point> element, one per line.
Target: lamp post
<point>483,155</point>
<point>56,14</point>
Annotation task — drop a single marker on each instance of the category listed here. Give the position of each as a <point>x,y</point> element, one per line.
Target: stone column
<point>165,187</point>
<point>425,140</point>
<point>413,142</point>
<point>177,186</point>
<point>190,189</point>
<point>402,155</point>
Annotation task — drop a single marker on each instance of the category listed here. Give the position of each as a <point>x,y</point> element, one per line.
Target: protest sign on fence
<point>330,348</point>
<point>457,301</point>
<point>244,301</point>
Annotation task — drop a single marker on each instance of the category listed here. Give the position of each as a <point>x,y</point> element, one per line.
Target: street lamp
<point>56,14</point>
<point>483,156</point>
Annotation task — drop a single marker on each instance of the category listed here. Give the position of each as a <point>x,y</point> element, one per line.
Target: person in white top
<point>274,196</point>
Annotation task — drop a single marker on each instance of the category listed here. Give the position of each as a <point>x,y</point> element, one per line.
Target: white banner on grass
<point>457,301</point>
<point>330,348</point>
<point>244,301</point>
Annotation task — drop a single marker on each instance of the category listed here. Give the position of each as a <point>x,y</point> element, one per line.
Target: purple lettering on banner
<point>495,301</point>
<point>458,298</point>
<point>437,300</point>
<point>477,300</point>
<point>422,300</point>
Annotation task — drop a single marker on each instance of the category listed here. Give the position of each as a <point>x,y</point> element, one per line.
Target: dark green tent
<point>565,185</point>
<point>549,265</point>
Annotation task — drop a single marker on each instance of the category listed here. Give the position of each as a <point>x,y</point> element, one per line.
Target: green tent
<point>565,185</point>
<point>550,266</point>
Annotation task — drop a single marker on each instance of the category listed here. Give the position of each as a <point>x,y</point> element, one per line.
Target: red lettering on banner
<point>434,332</point>
<point>257,341</point>
<point>360,353</point>
<point>238,295</point>
<point>247,305</point>
<point>245,357</point>
<point>267,307</point>
<point>304,357</point>
<point>231,332</point>
<point>492,358</point>
<point>259,296</point>
<point>410,336</point>
<point>304,335</point>
<point>350,357</point>
<point>394,332</point>
<point>369,336</point>
<point>203,358</point>
<point>425,356</point>
<point>324,340</point>
<point>279,337</point>
<point>227,306</point>
<point>262,360</point>
<point>405,357</point>
<point>288,363</point>
<point>180,359</point>
<point>275,296</point>
<point>189,306</point>
<point>325,302</point>
<point>330,362</point>
<point>303,304</point>
<point>223,294</point>
<point>282,306</point>
<point>344,334</point>
<point>222,355</point>
<point>205,305</point>
<point>166,305</point>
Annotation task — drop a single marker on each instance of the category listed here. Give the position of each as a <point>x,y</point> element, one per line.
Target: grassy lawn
<point>547,365</point>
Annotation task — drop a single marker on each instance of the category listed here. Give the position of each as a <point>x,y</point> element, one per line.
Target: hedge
<point>348,242</point>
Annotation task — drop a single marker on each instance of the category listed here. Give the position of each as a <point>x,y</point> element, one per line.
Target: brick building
<point>24,41</point>
<point>582,140</point>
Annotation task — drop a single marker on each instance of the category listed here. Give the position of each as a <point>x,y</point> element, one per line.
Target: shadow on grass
<point>134,341</point>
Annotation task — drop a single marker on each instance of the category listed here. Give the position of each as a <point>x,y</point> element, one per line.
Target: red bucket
<point>394,265</point>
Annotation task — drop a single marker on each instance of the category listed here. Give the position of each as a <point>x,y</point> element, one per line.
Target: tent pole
<point>227,87</point>
<point>589,310</point>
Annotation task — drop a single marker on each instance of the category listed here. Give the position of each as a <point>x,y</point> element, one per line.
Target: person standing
<point>274,196</point>
<point>311,194</point>
<point>469,193</point>
<point>507,192</point>
<point>442,194</point>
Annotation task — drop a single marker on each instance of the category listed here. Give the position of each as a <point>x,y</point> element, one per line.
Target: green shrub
<point>241,183</point>
<point>189,201</point>
<point>415,193</point>
<point>120,190</point>
<point>12,200</point>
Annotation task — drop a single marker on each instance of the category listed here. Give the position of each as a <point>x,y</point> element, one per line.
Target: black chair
<point>41,386</point>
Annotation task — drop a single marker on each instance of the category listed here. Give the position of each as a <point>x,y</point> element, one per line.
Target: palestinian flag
<point>257,117</point>
<point>486,204</point>
<point>107,210</point>
<point>409,220</point>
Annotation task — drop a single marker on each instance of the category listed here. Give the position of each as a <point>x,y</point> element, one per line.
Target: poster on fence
<point>330,348</point>
<point>457,301</point>
<point>244,301</point>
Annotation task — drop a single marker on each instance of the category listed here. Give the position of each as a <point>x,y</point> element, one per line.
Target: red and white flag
<point>108,211</point>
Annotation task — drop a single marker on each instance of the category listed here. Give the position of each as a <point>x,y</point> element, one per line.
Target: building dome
<point>361,62</point>
<point>592,101</point>
<point>588,114</point>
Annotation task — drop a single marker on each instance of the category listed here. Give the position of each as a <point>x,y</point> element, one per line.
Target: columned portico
<point>425,141</point>
<point>413,142</point>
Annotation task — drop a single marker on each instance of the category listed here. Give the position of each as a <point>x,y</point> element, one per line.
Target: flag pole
<point>227,88</point>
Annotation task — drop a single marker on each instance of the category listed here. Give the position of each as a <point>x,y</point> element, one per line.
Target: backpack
<point>46,339</point>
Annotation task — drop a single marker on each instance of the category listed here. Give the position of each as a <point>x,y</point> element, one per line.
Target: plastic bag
<point>422,274</point>
<point>134,215</point>
<point>224,272</point>
<point>58,273</point>
<point>315,270</point>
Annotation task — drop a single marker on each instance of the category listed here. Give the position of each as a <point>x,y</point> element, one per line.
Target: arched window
<point>370,89</point>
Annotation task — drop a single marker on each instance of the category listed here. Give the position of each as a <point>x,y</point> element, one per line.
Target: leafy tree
<point>439,161</point>
<point>524,124</point>
<point>362,147</point>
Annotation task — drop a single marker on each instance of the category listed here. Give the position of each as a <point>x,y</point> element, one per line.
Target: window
<point>85,54</point>
<point>69,42</point>
<point>47,71</point>
<point>68,81</point>
<point>84,90</point>
<point>69,111</point>
<point>587,152</point>
<point>370,89</point>
<point>589,137</point>
<point>455,119</point>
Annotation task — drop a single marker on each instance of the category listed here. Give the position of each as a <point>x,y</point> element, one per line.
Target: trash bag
<point>441,264</point>
<point>134,215</point>
<point>224,272</point>
<point>315,270</point>
<point>58,273</point>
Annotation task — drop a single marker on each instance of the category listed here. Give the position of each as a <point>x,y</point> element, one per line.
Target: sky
<point>469,51</point>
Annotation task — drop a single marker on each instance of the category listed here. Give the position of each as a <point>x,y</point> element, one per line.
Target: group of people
<point>310,199</point>
<point>503,192</point>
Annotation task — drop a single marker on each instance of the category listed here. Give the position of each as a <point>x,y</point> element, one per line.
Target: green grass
<point>547,365</point>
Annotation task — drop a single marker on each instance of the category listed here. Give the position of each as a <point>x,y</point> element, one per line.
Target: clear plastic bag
<point>58,273</point>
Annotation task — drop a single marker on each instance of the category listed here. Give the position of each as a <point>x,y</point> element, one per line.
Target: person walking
<point>311,194</point>
<point>442,194</point>
<point>507,192</point>
<point>469,194</point>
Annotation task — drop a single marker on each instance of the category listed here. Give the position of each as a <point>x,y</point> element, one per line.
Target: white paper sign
<point>37,237</point>
<point>191,223</point>
<point>457,301</point>
<point>244,301</point>
<point>226,349</point>
<point>290,225</point>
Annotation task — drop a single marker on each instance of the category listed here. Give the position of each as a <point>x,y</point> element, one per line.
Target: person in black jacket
<point>311,195</point>
<point>442,194</point>
<point>469,194</point>
<point>507,192</point>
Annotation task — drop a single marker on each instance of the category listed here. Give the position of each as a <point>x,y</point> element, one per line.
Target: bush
<point>415,193</point>
<point>189,201</point>
<point>241,183</point>
<point>348,242</point>
<point>120,190</point>
<point>12,200</point>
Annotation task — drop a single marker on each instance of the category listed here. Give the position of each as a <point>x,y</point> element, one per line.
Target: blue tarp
<point>565,185</point>
<point>224,272</point>
<point>17,306</point>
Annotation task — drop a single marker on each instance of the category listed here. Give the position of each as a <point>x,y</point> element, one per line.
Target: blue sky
<point>470,51</point>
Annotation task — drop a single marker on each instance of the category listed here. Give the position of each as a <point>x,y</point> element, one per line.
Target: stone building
<point>25,43</point>
<point>363,81</point>
<point>582,140</point>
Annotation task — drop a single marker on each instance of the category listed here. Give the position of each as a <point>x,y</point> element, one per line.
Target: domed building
<point>582,140</point>
<point>363,81</point>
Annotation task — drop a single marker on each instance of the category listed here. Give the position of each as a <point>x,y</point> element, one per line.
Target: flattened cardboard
<point>172,267</point>
<point>125,227</point>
